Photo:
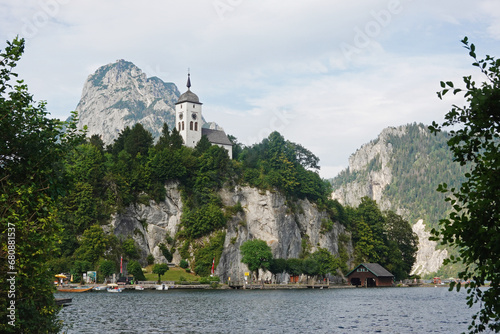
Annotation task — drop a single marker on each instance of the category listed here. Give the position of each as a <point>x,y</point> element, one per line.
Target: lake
<point>356,310</point>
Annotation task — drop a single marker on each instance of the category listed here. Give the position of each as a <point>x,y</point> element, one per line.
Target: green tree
<point>160,269</point>
<point>134,268</point>
<point>256,254</point>
<point>294,266</point>
<point>93,245</point>
<point>403,245</point>
<point>327,263</point>
<point>473,225</point>
<point>277,266</point>
<point>107,268</point>
<point>32,147</point>
<point>310,267</point>
<point>130,249</point>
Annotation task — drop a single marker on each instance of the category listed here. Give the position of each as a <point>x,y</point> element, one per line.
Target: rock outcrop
<point>266,216</point>
<point>370,181</point>
<point>369,174</point>
<point>429,259</point>
<point>118,95</point>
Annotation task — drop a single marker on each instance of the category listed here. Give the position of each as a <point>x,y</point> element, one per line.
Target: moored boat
<point>139,287</point>
<point>73,288</point>
<point>114,288</point>
<point>162,287</point>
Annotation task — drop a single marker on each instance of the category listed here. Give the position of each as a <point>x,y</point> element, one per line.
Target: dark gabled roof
<point>375,268</point>
<point>216,136</point>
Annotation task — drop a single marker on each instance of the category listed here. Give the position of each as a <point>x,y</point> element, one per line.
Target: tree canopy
<point>32,147</point>
<point>473,225</point>
<point>256,254</point>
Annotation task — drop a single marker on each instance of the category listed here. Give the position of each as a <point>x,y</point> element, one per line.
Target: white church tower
<point>188,116</point>
<point>189,123</point>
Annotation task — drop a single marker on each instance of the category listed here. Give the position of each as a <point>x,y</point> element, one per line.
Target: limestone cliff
<point>118,95</point>
<point>401,170</point>
<point>266,216</point>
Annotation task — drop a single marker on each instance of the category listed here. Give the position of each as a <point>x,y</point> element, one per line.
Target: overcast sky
<point>327,74</point>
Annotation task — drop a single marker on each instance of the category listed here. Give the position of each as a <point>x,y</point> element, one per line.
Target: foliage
<point>183,264</point>
<point>327,263</point>
<point>384,238</point>
<point>32,146</point>
<point>160,269</point>
<point>134,268</point>
<point>418,162</point>
<point>150,259</point>
<point>130,249</point>
<point>206,254</point>
<point>294,266</point>
<point>277,266</point>
<point>166,252</point>
<point>256,254</point>
<point>93,245</point>
<point>107,268</point>
<point>472,226</point>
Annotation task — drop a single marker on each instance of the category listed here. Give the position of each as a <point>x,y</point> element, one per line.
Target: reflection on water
<point>379,310</point>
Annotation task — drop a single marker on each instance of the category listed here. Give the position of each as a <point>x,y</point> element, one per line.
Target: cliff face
<point>266,216</point>
<point>119,95</point>
<point>401,160</point>
<point>370,181</point>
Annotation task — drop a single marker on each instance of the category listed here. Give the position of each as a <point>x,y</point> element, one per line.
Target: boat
<point>113,287</point>
<point>100,288</point>
<point>73,288</point>
<point>139,287</point>
<point>162,287</point>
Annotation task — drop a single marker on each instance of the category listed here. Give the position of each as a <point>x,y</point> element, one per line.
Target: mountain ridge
<point>119,94</point>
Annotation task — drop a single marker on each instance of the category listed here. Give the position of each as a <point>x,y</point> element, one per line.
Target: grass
<point>173,274</point>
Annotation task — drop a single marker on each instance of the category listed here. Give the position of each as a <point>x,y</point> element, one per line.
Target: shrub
<point>183,264</point>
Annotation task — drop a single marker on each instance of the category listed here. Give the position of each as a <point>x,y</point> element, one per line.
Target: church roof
<point>216,136</point>
<point>189,96</point>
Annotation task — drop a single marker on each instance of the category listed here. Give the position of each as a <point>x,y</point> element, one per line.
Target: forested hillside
<point>417,162</point>
<point>105,181</point>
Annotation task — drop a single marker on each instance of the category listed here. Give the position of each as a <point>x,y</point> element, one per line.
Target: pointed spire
<point>189,80</point>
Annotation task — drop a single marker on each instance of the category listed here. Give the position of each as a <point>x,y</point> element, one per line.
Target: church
<point>189,122</point>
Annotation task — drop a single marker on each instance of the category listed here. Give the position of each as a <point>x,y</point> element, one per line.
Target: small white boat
<point>139,287</point>
<point>99,288</point>
<point>114,288</point>
<point>162,287</point>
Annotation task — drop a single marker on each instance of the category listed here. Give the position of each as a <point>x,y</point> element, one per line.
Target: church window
<point>182,125</point>
<point>191,125</point>
<point>179,126</point>
<point>196,126</point>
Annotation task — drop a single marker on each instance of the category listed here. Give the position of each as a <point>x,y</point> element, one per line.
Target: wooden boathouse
<point>370,275</point>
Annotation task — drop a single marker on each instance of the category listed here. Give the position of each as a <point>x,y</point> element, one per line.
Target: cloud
<point>327,74</point>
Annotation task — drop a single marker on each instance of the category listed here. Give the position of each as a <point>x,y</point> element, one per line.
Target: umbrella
<point>113,284</point>
<point>60,276</point>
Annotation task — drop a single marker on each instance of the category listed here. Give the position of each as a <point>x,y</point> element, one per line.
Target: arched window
<point>182,125</point>
<point>179,126</point>
<point>196,126</point>
<point>191,125</point>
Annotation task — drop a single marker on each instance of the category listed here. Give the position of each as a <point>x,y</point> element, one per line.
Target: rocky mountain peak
<point>119,94</point>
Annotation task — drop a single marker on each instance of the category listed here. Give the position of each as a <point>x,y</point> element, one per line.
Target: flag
<point>213,266</point>
<point>121,265</point>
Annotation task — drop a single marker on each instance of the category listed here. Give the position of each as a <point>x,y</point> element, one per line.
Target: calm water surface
<point>377,310</point>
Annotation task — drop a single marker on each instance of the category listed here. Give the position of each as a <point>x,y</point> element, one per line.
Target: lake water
<point>374,310</point>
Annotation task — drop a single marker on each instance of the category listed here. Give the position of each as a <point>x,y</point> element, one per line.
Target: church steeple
<point>188,85</point>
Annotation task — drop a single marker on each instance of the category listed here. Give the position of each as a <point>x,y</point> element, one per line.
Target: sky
<point>327,74</point>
